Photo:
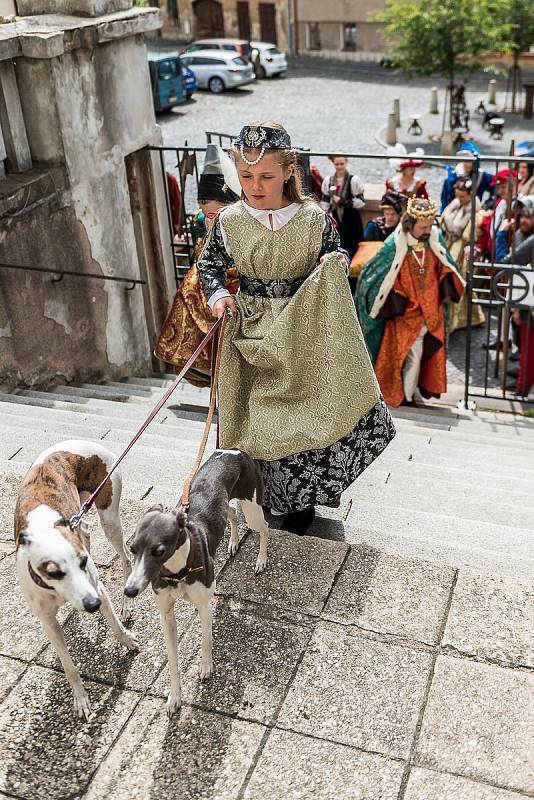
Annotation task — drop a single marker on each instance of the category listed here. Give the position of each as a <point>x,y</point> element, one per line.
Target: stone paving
<point>342,671</point>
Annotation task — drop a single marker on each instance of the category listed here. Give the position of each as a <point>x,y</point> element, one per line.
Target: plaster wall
<point>85,111</point>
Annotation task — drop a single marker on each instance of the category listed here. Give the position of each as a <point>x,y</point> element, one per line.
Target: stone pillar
<point>391,135</point>
<point>17,151</point>
<point>434,100</point>
<point>446,143</point>
<point>396,111</point>
<point>492,92</point>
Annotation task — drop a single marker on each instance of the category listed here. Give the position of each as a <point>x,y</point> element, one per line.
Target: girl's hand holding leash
<point>222,305</point>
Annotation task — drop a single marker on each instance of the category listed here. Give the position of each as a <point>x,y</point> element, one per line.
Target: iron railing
<point>497,296</point>
<point>132,282</point>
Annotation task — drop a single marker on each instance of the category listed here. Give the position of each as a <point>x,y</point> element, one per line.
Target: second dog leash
<point>213,399</point>
<point>76,519</point>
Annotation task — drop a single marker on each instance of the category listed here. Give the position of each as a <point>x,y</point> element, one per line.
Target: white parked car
<point>219,70</point>
<point>268,60</point>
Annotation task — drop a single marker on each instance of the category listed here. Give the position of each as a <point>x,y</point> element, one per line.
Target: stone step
<point>462,502</point>
<point>456,475</point>
<point>442,538</point>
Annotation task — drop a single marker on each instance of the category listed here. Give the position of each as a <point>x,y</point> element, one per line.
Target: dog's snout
<point>131,591</point>
<point>91,604</point>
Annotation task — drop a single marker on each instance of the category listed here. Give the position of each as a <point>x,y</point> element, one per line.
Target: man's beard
<point>424,237</point>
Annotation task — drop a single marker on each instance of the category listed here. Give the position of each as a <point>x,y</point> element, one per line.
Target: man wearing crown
<point>402,299</point>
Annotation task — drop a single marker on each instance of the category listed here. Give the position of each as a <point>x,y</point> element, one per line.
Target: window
<point>167,70</point>
<point>239,61</point>
<point>229,47</point>
<point>172,11</point>
<point>273,51</point>
<point>206,61</point>
<point>314,36</point>
<point>349,36</point>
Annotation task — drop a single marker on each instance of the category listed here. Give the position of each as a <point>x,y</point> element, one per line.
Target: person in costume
<point>455,223</point>
<point>190,318</point>
<point>405,183</point>
<point>465,169</point>
<point>342,196</point>
<point>400,300</point>
<point>297,389</point>
<point>392,205</point>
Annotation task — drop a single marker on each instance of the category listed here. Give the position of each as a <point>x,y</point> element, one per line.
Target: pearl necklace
<point>256,160</point>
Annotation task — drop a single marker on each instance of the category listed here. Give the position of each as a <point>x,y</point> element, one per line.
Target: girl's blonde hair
<point>293,190</point>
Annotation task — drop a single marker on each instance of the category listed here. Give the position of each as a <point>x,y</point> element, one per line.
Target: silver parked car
<point>219,70</point>
<point>268,60</point>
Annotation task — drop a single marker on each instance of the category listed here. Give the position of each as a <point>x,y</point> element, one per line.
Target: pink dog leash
<point>76,519</point>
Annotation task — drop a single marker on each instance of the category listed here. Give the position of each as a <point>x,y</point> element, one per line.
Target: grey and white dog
<point>175,552</point>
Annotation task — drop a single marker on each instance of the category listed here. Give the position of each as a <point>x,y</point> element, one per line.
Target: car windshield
<point>240,61</point>
<point>273,51</point>
<point>168,69</point>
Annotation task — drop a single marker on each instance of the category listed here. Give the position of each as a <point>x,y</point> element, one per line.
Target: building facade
<point>186,20</point>
<point>339,29</point>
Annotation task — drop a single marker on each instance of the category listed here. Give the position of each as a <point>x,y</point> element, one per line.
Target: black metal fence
<point>504,290</point>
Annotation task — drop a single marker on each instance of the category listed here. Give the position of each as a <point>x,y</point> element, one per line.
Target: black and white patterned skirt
<point>318,477</point>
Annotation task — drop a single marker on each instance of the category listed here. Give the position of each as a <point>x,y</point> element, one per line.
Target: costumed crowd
<point>310,361</point>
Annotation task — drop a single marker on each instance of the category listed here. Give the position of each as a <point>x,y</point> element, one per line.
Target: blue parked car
<point>190,82</point>
<point>166,79</point>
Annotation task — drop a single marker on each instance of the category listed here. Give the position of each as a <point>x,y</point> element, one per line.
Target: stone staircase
<point>452,488</point>
<point>389,656</point>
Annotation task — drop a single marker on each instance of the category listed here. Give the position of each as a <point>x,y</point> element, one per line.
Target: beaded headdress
<point>262,138</point>
<point>418,208</point>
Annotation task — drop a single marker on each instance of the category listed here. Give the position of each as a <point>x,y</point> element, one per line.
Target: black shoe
<point>409,403</point>
<point>299,521</point>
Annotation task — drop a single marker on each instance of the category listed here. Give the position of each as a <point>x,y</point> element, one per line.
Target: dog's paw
<point>127,609</point>
<point>206,671</point>
<point>261,563</point>
<point>174,703</point>
<point>82,706</point>
<point>233,547</point>
<point>130,642</point>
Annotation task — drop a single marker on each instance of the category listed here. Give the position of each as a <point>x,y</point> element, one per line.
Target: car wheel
<point>260,73</point>
<point>216,85</point>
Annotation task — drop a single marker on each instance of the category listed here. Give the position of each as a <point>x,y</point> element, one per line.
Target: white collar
<point>413,242</point>
<point>279,216</point>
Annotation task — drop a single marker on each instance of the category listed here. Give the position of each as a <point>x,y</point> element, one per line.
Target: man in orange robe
<point>401,303</point>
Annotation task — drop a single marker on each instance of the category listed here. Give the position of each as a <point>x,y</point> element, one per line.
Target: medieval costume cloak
<point>297,389</point>
<point>455,223</point>
<point>400,298</point>
<point>345,213</point>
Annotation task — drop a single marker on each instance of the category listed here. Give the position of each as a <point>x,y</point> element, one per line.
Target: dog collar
<point>179,577</point>
<point>38,580</point>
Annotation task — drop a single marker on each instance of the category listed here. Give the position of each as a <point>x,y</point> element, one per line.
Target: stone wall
<point>86,109</point>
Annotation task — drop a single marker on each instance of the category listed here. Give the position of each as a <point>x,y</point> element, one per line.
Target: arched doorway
<point>209,18</point>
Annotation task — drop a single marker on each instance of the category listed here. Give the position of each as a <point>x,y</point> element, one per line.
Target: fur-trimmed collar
<point>401,249</point>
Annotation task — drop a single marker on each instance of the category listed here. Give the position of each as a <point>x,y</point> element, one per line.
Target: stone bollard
<point>434,100</point>
<point>396,111</point>
<point>492,92</point>
<point>391,135</point>
<point>446,143</point>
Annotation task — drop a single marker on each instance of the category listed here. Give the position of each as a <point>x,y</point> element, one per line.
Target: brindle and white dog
<point>54,565</point>
<point>175,552</point>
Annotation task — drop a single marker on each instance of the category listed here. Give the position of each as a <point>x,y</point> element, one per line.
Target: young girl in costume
<point>297,389</point>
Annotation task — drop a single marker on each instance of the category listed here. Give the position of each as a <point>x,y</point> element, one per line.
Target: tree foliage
<point>517,34</point>
<point>441,36</point>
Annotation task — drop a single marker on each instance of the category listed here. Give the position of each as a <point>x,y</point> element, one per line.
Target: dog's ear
<point>181,519</point>
<point>24,538</point>
<point>157,507</point>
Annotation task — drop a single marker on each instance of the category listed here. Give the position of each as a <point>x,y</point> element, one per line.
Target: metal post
<point>469,287</point>
<point>434,100</point>
<point>492,92</point>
